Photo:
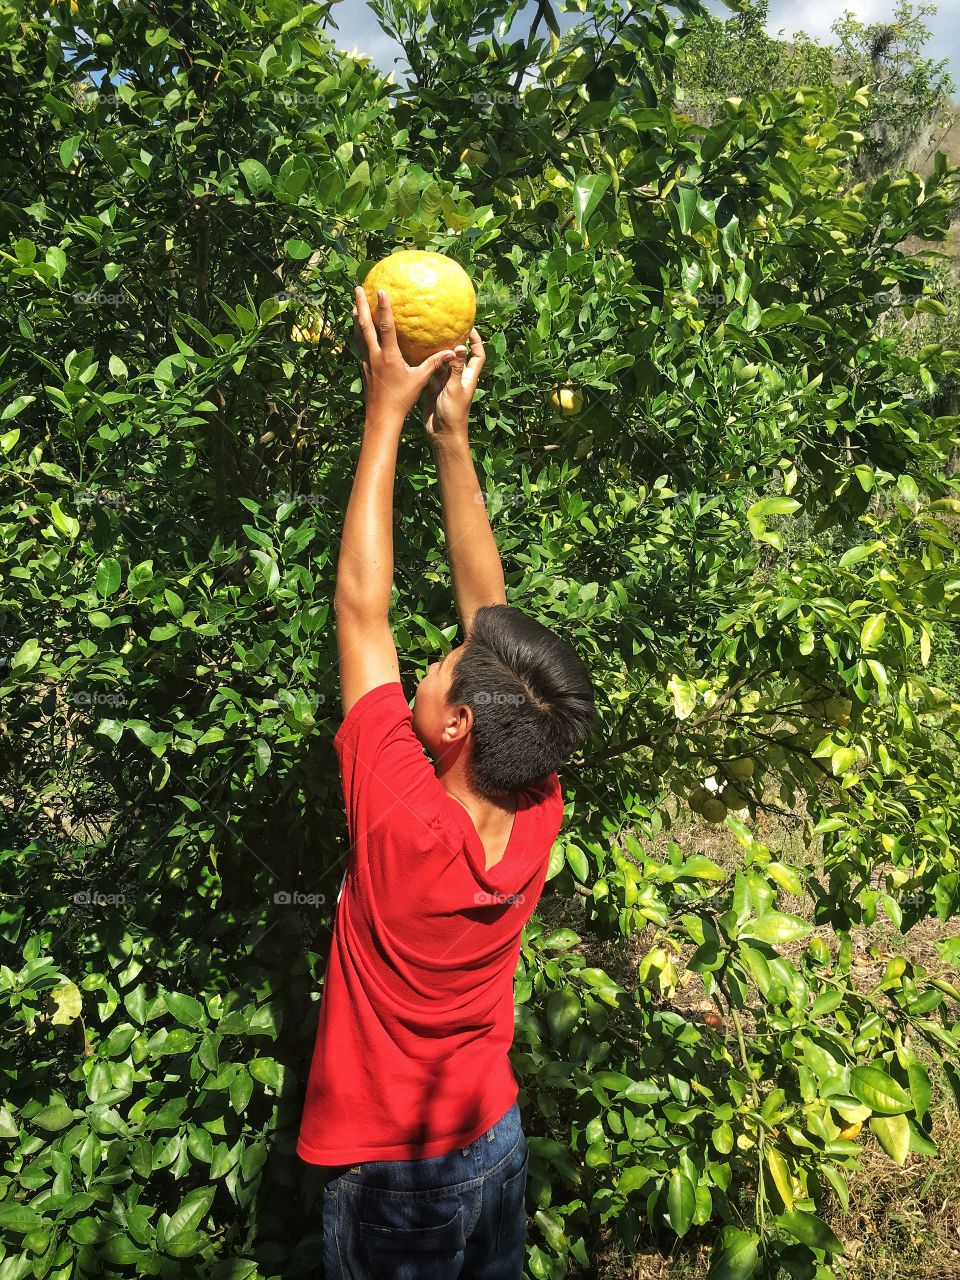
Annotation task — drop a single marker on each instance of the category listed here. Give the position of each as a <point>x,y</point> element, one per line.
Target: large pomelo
<point>433,300</point>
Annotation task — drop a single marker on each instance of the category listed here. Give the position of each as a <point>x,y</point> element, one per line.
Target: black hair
<point>531,698</point>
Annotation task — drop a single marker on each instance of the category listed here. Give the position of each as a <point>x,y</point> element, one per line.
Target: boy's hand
<point>447,396</point>
<point>391,385</point>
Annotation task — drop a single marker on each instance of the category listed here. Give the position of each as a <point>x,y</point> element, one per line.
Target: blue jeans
<point>459,1216</point>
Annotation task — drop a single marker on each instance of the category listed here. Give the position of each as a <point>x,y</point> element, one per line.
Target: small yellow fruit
<point>698,798</point>
<point>838,710</point>
<point>297,334</point>
<point>433,300</point>
<point>714,810</point>
<point>739,770</point>
<point>851,1130</point>
<point>568,400</point>
<point>732,797</point>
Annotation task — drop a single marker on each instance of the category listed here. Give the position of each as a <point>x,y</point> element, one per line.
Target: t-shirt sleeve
<point>388,782</point>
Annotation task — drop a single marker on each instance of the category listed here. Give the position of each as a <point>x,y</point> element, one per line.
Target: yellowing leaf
<point>893,1134</point>
<point>872,630</point>
<point>684,696</point>
<point>69,1003</point>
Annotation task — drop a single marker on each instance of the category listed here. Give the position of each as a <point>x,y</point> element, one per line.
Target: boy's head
<point>514,694</point>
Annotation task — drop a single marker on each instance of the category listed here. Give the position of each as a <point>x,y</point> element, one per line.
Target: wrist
<point>451,439</point>
<point>384,418</point>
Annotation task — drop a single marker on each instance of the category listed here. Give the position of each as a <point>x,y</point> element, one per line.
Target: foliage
<point>910,93</point>
<point>748,531</point>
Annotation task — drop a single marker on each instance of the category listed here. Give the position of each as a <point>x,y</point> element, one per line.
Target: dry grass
<point>903,1223</point>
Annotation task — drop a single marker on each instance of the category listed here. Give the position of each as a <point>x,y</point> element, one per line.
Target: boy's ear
<point>458,724</point>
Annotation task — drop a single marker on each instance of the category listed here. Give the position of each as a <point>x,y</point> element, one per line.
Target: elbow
<point>353,605</point>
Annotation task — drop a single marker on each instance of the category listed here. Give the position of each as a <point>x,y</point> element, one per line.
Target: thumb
<point>434,364</point>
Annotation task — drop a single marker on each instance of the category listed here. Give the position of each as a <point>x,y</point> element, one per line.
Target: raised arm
<point>474,558</point>
<point>368,656</point>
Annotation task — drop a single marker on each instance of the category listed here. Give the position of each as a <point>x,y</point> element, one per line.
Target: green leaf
<point>68,149</point>
<point>26,657</point>
<point>257,176</point>
<point>681,1202</point>
<point>773,507</point>
<point>63,523</point>
<point>776,927</point>
<point>559,940</point>
<point>843,758</point>
<point>879,1091</point>
<point>18,1218</point>
<point>267,1071</point>
<point>563,1013</point>
<point>893,1134</point>
<point>685,197</point>
<point>855,554</point>
<point>108,578</point>
<point>734,1255</point>
<point>16,406</point>
<point>56,258</point>
<point>192,1211</point>
<point>872,630</point>
<point>587,194</point>
<point>54,1117</point>
<point>810,1230</point>
<point>578,862</point>
<point>185,1009</point>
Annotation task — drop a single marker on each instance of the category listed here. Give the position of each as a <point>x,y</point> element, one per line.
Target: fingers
<point>386,327</point>
<point>477,354</point>
<point>367,327</point>
<point>456,365</point>
<point>358,337</point>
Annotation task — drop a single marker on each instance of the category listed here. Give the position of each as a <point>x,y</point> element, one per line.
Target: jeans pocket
<point>413,1245</point>
<point>512,1231</point>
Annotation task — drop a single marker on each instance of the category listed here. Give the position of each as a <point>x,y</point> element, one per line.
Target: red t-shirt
<point>417,1011</point>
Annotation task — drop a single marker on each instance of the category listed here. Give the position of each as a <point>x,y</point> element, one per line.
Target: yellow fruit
<point>838,710</point>
<point>568,400</point>
<point>297,334</point>
<point>733,798</point>
<point>740,770</point>
<point>714,810</point>
<point>698,798</point>
<point>470,155</point>
<point>851,1130</point>
<point>433,300</point>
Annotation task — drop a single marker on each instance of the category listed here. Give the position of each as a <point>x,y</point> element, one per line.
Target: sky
<point>358,26</point>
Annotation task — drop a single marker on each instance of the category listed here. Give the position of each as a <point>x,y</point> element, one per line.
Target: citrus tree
<point>708,463</point>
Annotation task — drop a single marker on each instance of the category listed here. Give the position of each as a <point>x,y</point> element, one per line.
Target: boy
<point>411,1103</point>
